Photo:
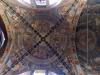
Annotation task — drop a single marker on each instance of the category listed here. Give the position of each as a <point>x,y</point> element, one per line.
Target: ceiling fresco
<point>49,37</point>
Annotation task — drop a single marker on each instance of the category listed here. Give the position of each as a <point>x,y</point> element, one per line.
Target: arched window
<point>2,38</point>
<point>26,73</point>
<point>25,1</point>
<point>47,3</point>
<point>39,72</point>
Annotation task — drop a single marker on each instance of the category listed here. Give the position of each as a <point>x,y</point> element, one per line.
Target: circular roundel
<point>87,40</point>
<point>42,53</point>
